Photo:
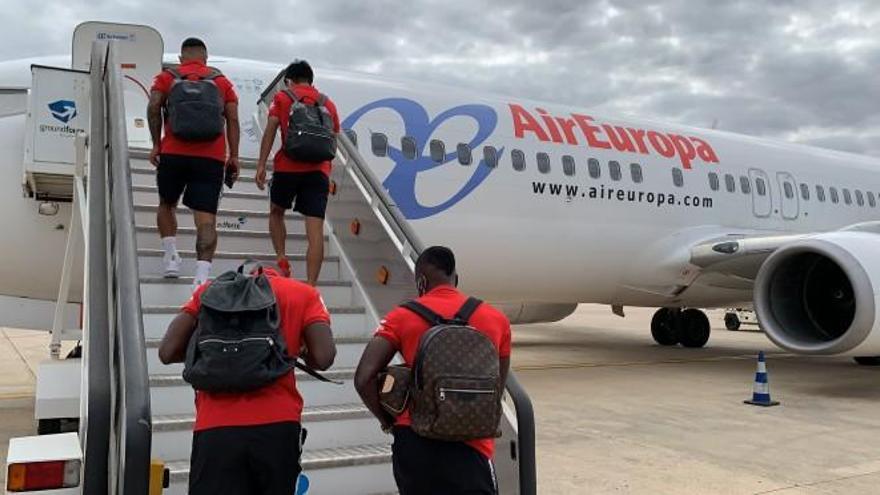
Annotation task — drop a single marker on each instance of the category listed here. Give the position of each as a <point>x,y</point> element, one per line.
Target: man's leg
<point>315,250</point>
<point>281,194</point>
<point>170,182</point>
<point>218,463</point>
<point>278,231</point>
<point>274,457</point>
<point>206,244</point>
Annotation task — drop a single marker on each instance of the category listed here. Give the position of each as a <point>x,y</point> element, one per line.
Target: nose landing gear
<point>689,327</point>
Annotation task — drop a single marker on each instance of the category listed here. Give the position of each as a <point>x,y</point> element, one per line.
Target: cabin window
<point>594,168</point>
<point>379,144</point>
<point>568,167</point>
<point>352,136</point>
<point>744,184</point>
<point>820,193</point>
<point>805,192</point>
<point>713,181</point>
<point>789,191</point>
<point>871,201</point>
<point>490,155</point>
<point>464,154</point>
<point>518,158</point>
<point>438,150</point>
<point>847,197</point>
<point>860,198</point>
<point>760,186</point>
<point>835,198</point>
<point>543,162</point>
<point>635,170</point>
<point>408,147</point>
<point>614,170</point>
<point>729,183</point>
<point>677,177</point>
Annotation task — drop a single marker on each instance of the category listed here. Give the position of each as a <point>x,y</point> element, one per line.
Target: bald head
<point>434,267</point>
<point>193,49</point>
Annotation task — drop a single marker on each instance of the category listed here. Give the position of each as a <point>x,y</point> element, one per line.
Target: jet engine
<point>519,313</point>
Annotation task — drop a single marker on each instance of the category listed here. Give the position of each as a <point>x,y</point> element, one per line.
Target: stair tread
<point>226,193</point>
<point>227,255</point>
<point>176,380</point>
<point>314,459</point>
<point>160,280</point>
<point>224,232</point>
<point>171,309</point>
<point>360,339</point>
<point>335,412</point>
<point>228,211</point>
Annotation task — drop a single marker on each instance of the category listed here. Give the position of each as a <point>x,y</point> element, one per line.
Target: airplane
<point>549,205</point>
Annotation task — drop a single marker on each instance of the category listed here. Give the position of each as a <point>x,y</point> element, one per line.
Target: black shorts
<point>423,466</point>
<point>308,189</point>
<point>243,460</point>
<point>198,179</point>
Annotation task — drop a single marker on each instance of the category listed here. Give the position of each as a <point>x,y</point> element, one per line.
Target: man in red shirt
<point>306,184</point>
<point>188,166</point>
<point>250,442</point>
<point>425,466</point>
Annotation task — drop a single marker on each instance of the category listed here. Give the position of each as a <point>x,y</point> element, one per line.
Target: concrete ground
<point>618,414</point>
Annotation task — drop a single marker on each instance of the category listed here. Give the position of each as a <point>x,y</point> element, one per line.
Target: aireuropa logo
<point>63,110</point>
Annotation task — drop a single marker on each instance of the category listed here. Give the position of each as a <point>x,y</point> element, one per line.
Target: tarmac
<point>618,414</point>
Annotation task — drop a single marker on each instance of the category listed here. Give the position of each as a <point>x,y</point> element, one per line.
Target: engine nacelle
<point>820,295</point>
<point>519,313</point>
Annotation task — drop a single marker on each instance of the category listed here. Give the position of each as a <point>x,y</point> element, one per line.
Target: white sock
<point>203,271</point>
<point>169,245</point>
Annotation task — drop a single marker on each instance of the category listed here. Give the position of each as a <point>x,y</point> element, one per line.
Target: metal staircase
<point>366,272</point>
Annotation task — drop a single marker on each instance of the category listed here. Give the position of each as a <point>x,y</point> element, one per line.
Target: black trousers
<point>423,466</point>
<point>245,460</point>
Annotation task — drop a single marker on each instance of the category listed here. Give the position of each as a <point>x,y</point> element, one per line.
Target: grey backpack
<point>456,378</point>
<point>195,107</point>
<point>310,136</point>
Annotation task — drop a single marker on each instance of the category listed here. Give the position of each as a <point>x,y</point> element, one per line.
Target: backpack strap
<point>174,72</point>
<point>305,368</point>
<point>426,313</point>
<point>467,310</point>
<point>290,94</point>
<point>322,100</point>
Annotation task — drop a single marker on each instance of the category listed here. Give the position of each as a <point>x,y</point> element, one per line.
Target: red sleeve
<point>195,302</point>
<point>332,108</point>
<point>229,94</point>
<point>389,329</point>
<point>162,82</point>
<point>315,311</point>
<point>504,346</point>
<point>277,106</point>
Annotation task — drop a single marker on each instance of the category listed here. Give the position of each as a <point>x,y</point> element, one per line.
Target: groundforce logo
<point>63,111</point>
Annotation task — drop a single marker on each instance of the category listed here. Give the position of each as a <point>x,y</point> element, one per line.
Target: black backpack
<point>195,107</point>
<point>237,346</point>
<point>456,378</point>
<point>310,137</point>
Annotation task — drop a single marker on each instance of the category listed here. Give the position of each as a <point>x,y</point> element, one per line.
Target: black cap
<point>299,70</point>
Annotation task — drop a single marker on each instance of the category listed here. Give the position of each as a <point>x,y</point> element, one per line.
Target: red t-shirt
<point>280,108</point>
<point>299,305</point>
<point>403,329</point>
<point>170,144</point>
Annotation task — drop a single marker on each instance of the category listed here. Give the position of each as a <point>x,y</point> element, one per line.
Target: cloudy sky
<point>805,71</point>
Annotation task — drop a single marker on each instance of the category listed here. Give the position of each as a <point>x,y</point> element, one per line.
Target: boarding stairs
<point>369,256</point>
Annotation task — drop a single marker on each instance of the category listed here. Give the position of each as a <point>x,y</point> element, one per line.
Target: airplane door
<point>788,195</point>
<point>762,202</point>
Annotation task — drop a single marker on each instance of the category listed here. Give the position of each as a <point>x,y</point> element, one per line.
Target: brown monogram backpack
<point>456,386</point>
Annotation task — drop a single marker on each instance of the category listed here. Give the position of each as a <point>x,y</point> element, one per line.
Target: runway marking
<point>563,366</point>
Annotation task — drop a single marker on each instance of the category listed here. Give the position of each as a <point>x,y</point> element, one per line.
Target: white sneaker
<point>172,265</point>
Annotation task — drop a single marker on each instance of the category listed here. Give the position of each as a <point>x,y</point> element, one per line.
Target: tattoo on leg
<point>206,241</point>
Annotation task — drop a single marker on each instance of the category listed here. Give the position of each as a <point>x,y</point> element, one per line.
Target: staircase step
<point>170,395</point>
<point>231,199</point>
<point>151,263</point>
<point>141,176</point>
<point>329,427</point>
<point>139,159</point>
<point>239,240</point>
<point>359,469</point>
<point>348,354</point>
<point>230,219</point>
<point>158,291</point>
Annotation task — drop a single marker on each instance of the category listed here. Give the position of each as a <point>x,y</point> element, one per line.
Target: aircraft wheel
<point>731,321</point>
<point>695,328</point>
<point>663,327</point>
<point>867,360</point>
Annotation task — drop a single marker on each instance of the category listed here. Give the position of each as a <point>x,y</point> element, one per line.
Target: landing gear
<point>671,326</point>
<point>731,321</point>
<point>867,360</point>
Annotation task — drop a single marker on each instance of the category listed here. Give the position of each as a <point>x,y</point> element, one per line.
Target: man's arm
<point>320,350</point>
<point>376,357</point>
<point>233,135</point>
<point>176,339</point>
<point>266,147</point>
<point>154,120</point>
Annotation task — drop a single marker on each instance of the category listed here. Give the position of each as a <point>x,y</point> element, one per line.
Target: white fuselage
<point>604,239</point>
